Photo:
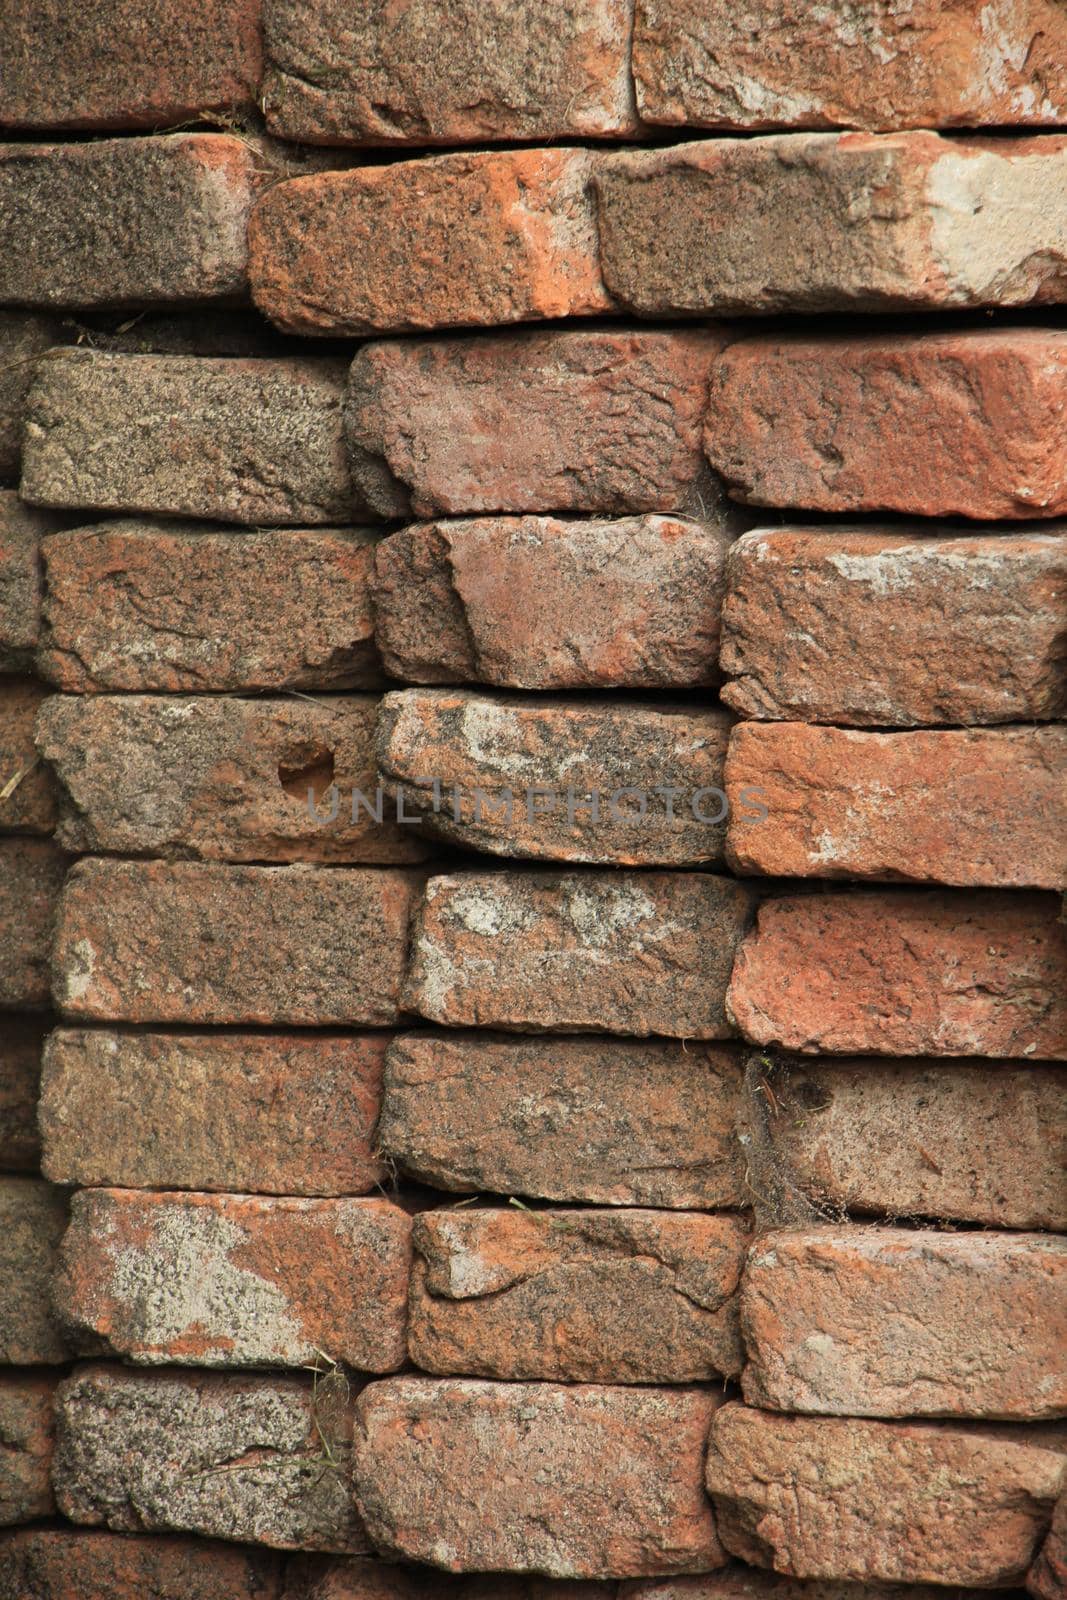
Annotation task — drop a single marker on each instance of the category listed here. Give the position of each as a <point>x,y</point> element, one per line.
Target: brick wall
<point>532,814</point>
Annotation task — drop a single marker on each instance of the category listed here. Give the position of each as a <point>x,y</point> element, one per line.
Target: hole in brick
<point>306,766</point>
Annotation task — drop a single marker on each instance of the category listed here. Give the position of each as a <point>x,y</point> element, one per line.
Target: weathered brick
<point>220,779</point>
<point>189,942</point>
<point>383,77</point>
<point>142,606</point>
<point>118,222</point>
<point>624,783</point>
<point>259,1459</point>
<point>633,603</point>
<point>31,875</point>
<point>281,1113</point>
<point>774,64</point>
<point>615,1122</point>
<point>832,1497</point>
<point>981,806</point>
<point>59,1563</point>
<point>129,64</point>
<point>906,1323</point>
<point>603,421</point>
<point>24,337</point>
<point>235,1280</point>
<point>518,950</point>
<point>244,441</point>
<point>585,1482</point>
<point>947,1140</point>
<point>27,1440</point>
<point>906,973</point>
<point>870,628</point>
<point>33,1216</point>
<point>578,1296</point>
<point>1047,1578</point>
<point>449,242</point>
<point>22,528</point>
<point>27,791</point>
<point>365,1578</point>
<point>738,1582</point>
<point>835,222</point>
<point>21,1039</point>
<point>972,415</point>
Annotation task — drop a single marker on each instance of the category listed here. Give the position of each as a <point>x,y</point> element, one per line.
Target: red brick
<point>129,64</point>
<point>975,807</point>
<point>142,606</point>
<point>870,628</point>
<point>33,1216</point>
<point>27,1441</point>
<point>906,973</point>
<point>22,528</point>
<point>246,441</point>
<point>612,1121</point>
<point>59,1563</point>
<point>221,779</point>
<point>585,1482</point>
<point>975,1143</point>
<point>235,1281</point>
<point>31,875</point>
<point>834,222</point>
<point>780,65</point>
<point>514,776</point>
<point>280,1113</point>
<point>975,419</point>
<point>737,1582</point>
<point>541,603</point>
<point>452,241</point>
<point>21,1039</point>
<point>257,1459</point>
<point>24,337</point>
<point>516,951</point>
<point>190,942</point>
<point>405,77</point>
<point>1047,1578</point>
<point>894,1322</point>
<point>577,1296</point>
<point>27,790</point>
<point>604,421</point>
<point>844,1498</point>
<point>122,222</point>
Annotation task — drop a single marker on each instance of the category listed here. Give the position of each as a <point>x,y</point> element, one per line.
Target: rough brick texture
<point>906,973</point>
<point>832,1497</point>
<point>642,785</point>
<point>124,222</point>
<point>890,1322</point>
<point>31,875</point>
<point>870,628</point>
<point>1047,1578</point>
<point>245,1458</point>
<point>585,1482</point>
<point>452,241</point>
<point>613,1122</point>
<point>27,791</point>
<point>190,436</point>
<point>738,1582</point>
<point>129,64</point>
<point>235,1281</point>
<point>977,807</point>
<point>543,603</point>
<point>280,1113</point>
<point>776,64</point>
<point>579,1296</point>
<point>153,942</point>
<point>24,337</point>
<point>150,606</point>
<point>21,531</point>
<point>835,222</point>
<point>945,1140</point>
<point>386,77</point>
<point>21,1039</point>
<point>603,421</point>
<point>27,1438</point>
<point>515,950</point>
<point>58,1563</point>
<point>33,1216</point>
<point>220,779</point>
<point>803,422</point>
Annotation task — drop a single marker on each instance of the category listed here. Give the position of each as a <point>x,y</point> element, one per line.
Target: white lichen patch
<point>599,915</point>
<point>998,223</point>
<point>78,977</point>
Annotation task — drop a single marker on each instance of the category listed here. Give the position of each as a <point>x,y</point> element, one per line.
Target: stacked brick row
<point>554,1088</point>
